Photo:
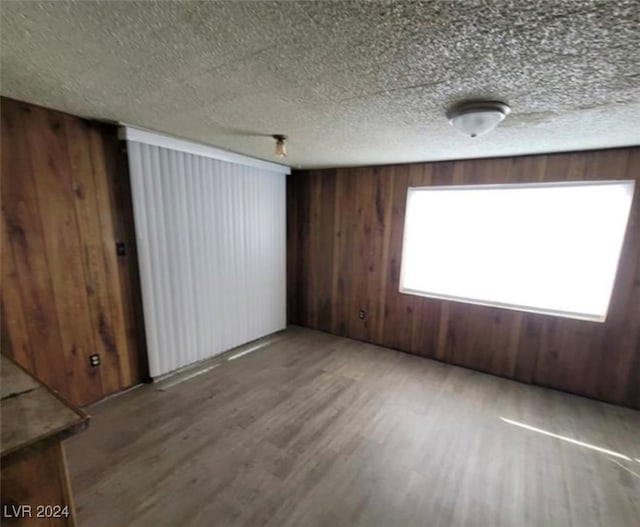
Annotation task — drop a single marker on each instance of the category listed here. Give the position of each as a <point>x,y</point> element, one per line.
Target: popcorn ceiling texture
<point>350,83</point>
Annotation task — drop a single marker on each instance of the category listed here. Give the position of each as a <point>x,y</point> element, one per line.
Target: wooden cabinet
<point>35,485</point>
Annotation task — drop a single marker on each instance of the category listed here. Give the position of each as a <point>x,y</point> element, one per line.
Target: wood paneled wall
<point>65,293</point>
<point>345,230</point>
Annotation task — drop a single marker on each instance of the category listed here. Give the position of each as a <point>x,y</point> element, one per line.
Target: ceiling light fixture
<point>475,118</point>
<point>281,148</point>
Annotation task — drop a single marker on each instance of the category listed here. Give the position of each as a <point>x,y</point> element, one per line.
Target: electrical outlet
<point>94,360</point>
<point>361,314</point>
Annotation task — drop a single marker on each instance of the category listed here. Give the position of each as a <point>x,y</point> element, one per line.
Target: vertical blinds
<point>211,244</point>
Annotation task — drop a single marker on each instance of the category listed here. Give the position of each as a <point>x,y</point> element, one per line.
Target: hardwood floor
<point>315,429</point>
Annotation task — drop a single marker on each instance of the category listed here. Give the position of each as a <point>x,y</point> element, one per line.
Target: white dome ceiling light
<point>476,118</point>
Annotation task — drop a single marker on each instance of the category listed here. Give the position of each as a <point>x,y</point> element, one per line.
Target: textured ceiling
<point>349,82</point>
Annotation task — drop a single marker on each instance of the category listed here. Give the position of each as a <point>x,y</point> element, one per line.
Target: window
<point>547,248</point>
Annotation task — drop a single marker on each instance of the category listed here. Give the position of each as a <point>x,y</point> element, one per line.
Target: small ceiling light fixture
<point>281,148</point>
<point>476,118</point>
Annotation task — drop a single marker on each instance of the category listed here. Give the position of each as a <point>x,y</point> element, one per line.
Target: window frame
<point>502,305</point>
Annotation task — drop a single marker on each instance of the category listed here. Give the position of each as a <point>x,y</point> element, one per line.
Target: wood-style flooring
<point>318,430</point>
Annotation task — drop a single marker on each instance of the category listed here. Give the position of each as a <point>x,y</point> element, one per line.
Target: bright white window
<point>547,248</point>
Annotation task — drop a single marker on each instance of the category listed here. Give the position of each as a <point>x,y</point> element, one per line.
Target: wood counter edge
<point>57,435</point>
